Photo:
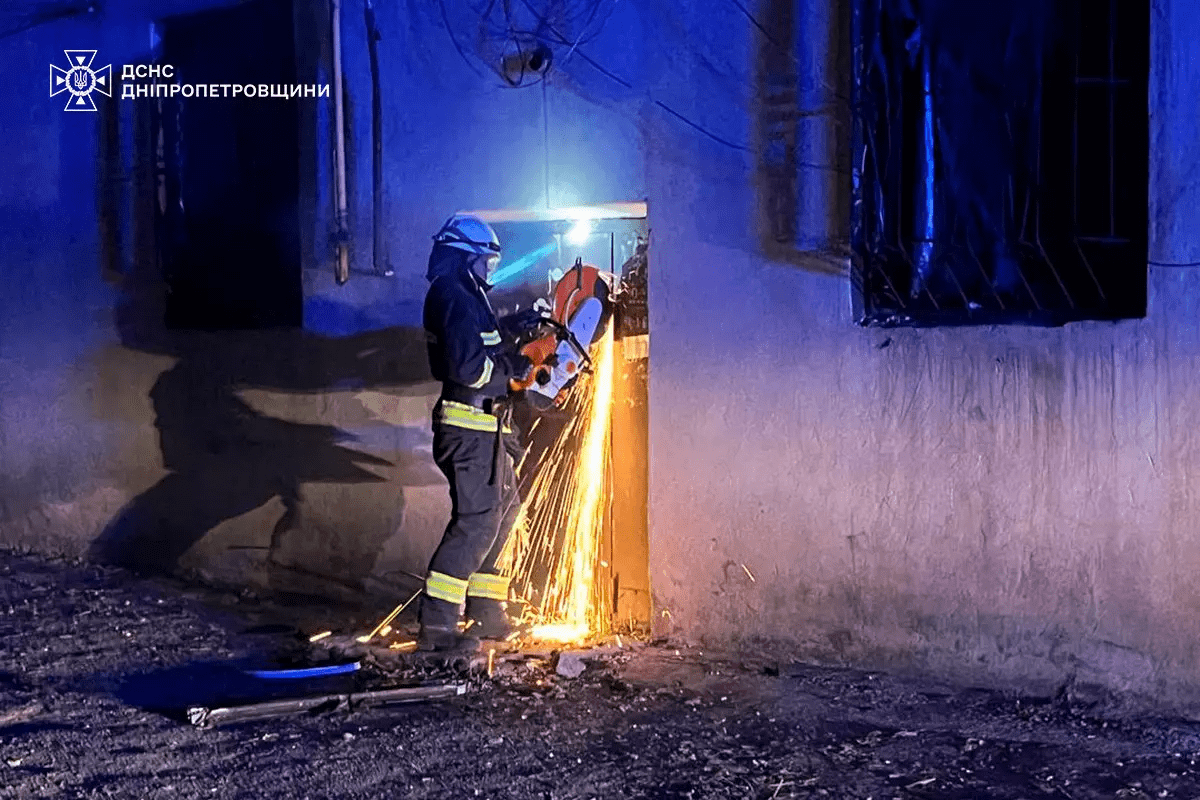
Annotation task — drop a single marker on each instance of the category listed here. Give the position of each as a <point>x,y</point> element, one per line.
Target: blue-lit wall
<point>1004,504</point>
<point>59,429</point>
<point>1007,502</point>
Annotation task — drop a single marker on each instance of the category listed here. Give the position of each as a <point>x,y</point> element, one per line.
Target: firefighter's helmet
<point>469,232</point>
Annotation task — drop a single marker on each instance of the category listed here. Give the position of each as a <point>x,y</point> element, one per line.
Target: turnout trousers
<point>462,574</point>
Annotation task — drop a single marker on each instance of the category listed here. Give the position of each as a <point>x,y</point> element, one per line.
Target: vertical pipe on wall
<point>546,142</point>
<point>378,253</point>
<point>342,265</point>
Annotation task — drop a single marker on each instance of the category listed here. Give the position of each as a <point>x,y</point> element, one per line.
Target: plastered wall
<point>1009,505</point>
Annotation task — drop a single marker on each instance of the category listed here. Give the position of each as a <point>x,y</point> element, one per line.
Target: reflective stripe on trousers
<point>481,519</point>
<point>440,586</point>
<point>492,587</point>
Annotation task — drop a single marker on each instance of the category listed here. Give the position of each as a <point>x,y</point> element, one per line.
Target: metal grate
<point>1001,161</point>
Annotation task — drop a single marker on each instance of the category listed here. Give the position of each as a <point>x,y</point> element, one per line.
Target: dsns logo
<point>80,80</point>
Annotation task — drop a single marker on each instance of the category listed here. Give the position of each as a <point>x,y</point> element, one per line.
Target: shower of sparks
<point>560,632</point>
<point>554,551</point>
<point>387,621</point>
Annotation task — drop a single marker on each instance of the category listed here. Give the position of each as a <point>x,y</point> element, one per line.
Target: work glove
<point>514,364</point>
<point>523,321</point>
<point>512,444</point>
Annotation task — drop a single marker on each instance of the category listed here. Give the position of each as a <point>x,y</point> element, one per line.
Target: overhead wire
<point>575,44</point>
<point>580,39</point>
<point>561,39</point>
<point>454,39</point>
<point>766,34</point>
<point>695,125</point>
<point>602,70</point>
<point>545,23</point>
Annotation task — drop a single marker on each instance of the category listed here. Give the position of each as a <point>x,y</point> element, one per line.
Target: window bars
<point>1001,161</point>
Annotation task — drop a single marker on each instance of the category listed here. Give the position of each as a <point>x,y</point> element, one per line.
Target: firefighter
<point>474,443</point>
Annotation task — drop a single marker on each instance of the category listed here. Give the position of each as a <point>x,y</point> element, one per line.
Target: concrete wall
<point>454,138</point>
<point>292,459</point>
<point>281,459</point>
<point>1006,504</point>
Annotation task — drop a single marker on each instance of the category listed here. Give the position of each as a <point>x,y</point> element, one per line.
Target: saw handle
<point>543,353</point>
<point>538,352</point>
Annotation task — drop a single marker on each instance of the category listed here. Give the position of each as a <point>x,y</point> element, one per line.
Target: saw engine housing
<point>581,310</point>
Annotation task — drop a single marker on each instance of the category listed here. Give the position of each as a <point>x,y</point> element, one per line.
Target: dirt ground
<point>97,669</point>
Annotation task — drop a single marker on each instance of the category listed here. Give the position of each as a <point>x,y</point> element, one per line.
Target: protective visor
<point>449,235</point>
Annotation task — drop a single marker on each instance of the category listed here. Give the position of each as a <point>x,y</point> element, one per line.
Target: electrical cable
<point>1181,265</point>
<point>574,45</point>
<point>693,124</point>
<point>510,36</point>
<point>454,39</point>
<point>754,21</point>
<point>597,66</point>
<point>761,29</point>
<point>707,133</point>
<point>560,38</point>
<point>603,71</point>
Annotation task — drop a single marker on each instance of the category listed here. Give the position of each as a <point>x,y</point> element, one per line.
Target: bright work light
<point>580,232</point>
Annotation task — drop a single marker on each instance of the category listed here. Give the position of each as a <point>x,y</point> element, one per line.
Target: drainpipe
<point>924,220</point>
<point>342,237</point>
<point>378,254</point>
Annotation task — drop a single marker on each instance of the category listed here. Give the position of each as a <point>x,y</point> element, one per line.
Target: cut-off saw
<point>559,346</point>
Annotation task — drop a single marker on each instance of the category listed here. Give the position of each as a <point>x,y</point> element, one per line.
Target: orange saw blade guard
<point>580,311</point>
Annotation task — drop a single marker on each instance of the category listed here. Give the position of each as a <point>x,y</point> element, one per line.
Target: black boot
<point>488,619</point>
<point>433,639</point>
<point>439,629</point>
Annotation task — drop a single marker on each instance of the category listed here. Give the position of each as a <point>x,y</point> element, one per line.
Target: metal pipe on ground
<point>203,717</point>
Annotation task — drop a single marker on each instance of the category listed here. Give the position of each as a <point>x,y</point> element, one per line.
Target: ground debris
<point>569,665</point>
<point>23,713</point>
<point>640,720</point>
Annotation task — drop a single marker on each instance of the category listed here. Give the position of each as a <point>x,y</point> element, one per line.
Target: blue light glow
<point>523,263</point>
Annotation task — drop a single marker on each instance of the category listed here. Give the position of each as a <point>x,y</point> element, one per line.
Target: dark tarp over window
<point>1000,160</point>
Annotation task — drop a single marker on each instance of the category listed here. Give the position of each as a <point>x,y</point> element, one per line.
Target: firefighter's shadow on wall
<point>224,457</point>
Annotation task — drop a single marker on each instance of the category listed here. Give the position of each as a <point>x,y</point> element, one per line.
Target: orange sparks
<point>555,547</point>
<point>387,621</point>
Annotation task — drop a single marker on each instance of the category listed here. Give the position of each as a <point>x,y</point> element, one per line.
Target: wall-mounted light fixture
<point>525,61</point>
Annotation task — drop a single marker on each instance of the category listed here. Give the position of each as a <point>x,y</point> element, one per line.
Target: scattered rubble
<point>98,671</point>
<point>21,713</point>
<point>569,665</point>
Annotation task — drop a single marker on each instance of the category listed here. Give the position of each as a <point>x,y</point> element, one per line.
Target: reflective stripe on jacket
<point>464,342</point>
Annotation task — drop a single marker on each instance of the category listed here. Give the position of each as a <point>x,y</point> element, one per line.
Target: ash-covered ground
<point>98,668</point>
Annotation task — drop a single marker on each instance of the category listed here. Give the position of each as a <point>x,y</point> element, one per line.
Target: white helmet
<point>470,233</point>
